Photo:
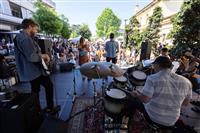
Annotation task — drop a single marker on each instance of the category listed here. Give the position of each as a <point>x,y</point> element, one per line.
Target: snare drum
<point>138,78</point>
<point>120,82</point>
<point>114,101</point>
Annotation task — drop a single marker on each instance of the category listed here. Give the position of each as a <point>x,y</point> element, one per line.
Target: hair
<point>112,35</point>
<point>163,62</point>
<point>164,50</point>
<point>81,40</point>
<point>165,65</point>
<point>28,22</point>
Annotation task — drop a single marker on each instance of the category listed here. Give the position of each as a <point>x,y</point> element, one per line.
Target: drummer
<point>163,95</point>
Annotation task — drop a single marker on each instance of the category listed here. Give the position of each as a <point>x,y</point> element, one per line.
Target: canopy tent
<point>11,32</point>
<point>75,40</point>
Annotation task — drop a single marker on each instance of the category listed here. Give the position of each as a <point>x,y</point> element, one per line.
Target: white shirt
<point>167,91</point>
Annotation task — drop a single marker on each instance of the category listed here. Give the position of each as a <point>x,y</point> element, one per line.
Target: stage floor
<point>63,89</point>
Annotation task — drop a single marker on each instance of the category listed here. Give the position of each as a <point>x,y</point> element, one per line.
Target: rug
<point>87,121</point>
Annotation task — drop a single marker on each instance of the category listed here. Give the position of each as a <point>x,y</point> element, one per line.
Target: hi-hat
<point>94,70</point>
<point>114,70</point>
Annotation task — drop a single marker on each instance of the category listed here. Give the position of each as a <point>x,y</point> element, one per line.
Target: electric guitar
<point>46,70</point>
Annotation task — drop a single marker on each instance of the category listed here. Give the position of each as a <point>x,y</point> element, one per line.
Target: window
<point>15,10</point>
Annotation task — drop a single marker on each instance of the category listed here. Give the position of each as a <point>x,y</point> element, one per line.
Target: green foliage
<point>48,19</point>
<point>65,31</point>
<point>186,27</point>
<point>84,31</point>
<point>133,32</point>
<point>107,22</point>
<point>152,31</point>
<point>75,30</point>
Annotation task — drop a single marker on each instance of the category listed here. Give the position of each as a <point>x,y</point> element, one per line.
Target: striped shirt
<point>167,92</point>
<point>112,47</point>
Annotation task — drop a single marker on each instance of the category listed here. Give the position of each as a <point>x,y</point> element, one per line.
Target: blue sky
<point>87,11</point>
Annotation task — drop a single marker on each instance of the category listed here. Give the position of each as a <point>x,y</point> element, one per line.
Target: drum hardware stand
<point>74,95</point>
<point>104,86</point>
<point>95,94</point>
<point>94,84</point>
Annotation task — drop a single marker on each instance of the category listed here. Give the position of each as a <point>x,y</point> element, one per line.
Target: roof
<point>147,7</point>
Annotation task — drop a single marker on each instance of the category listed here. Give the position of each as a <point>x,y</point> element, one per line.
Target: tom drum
<point>114,101</point>
<point>138,78</point>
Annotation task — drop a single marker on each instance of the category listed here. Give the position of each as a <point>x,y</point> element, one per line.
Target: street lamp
<point>125,34</point>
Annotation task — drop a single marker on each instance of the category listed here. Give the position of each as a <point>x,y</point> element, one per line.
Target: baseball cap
<point>163,61</point>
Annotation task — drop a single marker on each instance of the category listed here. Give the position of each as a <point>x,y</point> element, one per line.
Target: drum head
<point>116,94</point>
<point>121,79</point>
<point>139,75</point>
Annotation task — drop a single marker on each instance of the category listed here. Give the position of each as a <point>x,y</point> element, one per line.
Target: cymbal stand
<point>94,84</point>
<point>95,93</point>
<point>104,86</point>
<point>74,95</point>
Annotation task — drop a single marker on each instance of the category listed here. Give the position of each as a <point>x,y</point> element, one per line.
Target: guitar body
<point>45,70</point>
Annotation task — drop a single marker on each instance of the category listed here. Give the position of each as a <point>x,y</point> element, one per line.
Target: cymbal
<point>114,70</point>
<point>94,70</point>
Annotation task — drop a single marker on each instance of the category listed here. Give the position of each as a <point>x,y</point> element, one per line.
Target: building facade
<point>169,9</point>
<point>12,12</point>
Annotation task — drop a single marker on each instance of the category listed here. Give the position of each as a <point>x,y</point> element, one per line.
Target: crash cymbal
<point>114,70</point>
<point>94,70</point>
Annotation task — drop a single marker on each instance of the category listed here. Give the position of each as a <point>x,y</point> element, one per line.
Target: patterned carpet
<point>76,125</point>
<point>88,121</point>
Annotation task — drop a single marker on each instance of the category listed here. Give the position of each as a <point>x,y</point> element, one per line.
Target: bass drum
<point>138,78</point>
<point>114,101</point>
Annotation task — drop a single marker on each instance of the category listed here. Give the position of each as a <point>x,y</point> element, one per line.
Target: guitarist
<point>29,63</point>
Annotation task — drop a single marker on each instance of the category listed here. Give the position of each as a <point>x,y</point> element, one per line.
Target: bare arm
<point>186,102</point>
<point>143,98</point>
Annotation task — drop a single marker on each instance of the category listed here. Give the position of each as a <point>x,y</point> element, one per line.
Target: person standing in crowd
<point>164,52</point>
<point>163,95</point>
<point>83,52</point>
<point>4,67</point>
<point>111,48</point>
<point>28,58</point>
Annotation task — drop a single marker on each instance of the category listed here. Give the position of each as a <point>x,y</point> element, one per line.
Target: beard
<point>32,34</point>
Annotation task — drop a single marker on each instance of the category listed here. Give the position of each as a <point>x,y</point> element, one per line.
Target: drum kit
<point>115,95</point>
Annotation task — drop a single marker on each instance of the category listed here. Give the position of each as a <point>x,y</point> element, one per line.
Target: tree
<point>84,31</point>
<point>186,27</point>
<point>48,19</point>
<point>75,30</point>
<point>152,31</point>
<point>65,31</point>
<point>107,22</point>
<point>133,32</point>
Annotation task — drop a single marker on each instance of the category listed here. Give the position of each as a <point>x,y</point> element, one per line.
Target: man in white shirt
<point>163,94</point>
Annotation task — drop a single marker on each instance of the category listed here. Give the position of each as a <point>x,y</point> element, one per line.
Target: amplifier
<point>23,119</point>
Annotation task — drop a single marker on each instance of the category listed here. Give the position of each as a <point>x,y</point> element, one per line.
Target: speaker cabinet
<point>145,50</point>
<point>23,119</point>
<point>46,46</point>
